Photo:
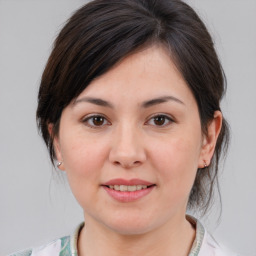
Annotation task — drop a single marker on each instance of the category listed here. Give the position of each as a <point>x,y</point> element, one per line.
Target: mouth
<point>128,190</point>
<point>131,188</point>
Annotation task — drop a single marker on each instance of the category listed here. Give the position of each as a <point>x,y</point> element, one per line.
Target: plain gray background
<point>36,204</point>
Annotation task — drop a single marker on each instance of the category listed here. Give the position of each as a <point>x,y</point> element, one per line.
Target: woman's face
<point>137,125</point>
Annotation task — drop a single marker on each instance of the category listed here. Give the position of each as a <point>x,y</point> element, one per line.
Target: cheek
<point>83,159</point>
<point>82,154</point>
<point>176,153</point>
<point>177,162</point>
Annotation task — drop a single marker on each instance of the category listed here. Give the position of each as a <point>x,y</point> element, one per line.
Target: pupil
<point>159,120</point>
<point>98,120</point>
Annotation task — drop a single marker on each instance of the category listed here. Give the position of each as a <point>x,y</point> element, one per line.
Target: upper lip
<point>130,182</point>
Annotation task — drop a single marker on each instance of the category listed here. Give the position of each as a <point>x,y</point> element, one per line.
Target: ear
<point>210,140</point>
<point>57,148</point>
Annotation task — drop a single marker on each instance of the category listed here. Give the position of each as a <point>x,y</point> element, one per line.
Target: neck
<point>174,238</point>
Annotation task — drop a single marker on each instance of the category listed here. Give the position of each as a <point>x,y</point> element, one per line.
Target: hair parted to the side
<point>103,32</point>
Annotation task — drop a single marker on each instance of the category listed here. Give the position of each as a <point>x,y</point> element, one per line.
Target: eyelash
<point>90,118</point>
<point>167,119</point>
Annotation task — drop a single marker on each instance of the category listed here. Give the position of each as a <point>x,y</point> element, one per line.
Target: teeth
<point>127,188</point>
<point>123,188</point>
<point>132,188</point>
<point>139,187</point>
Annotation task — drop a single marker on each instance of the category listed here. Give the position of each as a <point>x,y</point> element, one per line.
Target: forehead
<point>148,73</point>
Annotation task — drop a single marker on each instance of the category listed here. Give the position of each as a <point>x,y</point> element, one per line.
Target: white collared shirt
<point>204,245</point>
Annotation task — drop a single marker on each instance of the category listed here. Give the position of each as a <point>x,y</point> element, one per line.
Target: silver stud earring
<point>205,165</point>
<point>59,164</point>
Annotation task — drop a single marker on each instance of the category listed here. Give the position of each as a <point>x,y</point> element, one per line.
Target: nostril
<point>116,163</point>
<point>127,164</point>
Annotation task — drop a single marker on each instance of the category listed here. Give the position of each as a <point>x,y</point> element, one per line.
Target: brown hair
<point>103,32</point>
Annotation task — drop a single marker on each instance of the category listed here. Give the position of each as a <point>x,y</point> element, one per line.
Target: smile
<point>126,191</point>
<point>128,188</point>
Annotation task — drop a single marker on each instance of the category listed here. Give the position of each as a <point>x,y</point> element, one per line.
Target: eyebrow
<point>145,104</point>
<point>160,100</point>
<point>95,101</point>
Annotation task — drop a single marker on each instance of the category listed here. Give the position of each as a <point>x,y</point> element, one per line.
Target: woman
<point>129,107</point>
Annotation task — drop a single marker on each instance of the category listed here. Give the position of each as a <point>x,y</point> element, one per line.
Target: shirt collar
<point>197,244</point>
<point>74,239</point>
<point>200,233</point>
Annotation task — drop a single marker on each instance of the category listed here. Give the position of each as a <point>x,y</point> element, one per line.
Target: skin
<point>128,142</point>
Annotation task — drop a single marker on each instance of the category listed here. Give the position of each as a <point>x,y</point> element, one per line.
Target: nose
<point>127,148</point>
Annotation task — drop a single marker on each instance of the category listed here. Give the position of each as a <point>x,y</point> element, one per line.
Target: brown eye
<point>96,121</point>
<point>160,120</point>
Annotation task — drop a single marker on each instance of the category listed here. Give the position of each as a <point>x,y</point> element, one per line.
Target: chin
<point>130,226</point>
<point>130,230</point>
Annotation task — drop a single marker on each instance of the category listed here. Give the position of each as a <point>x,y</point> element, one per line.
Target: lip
<point>130,182</point>
<point>128,196</point>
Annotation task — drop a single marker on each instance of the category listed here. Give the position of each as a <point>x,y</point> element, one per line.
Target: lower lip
<point>128,196</point>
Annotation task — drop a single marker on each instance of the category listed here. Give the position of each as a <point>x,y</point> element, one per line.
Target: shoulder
<point>204,244</point>
<point>27,252</point>
<point>211,247</point>
<point>65,246</point>
<point>57,247</point>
